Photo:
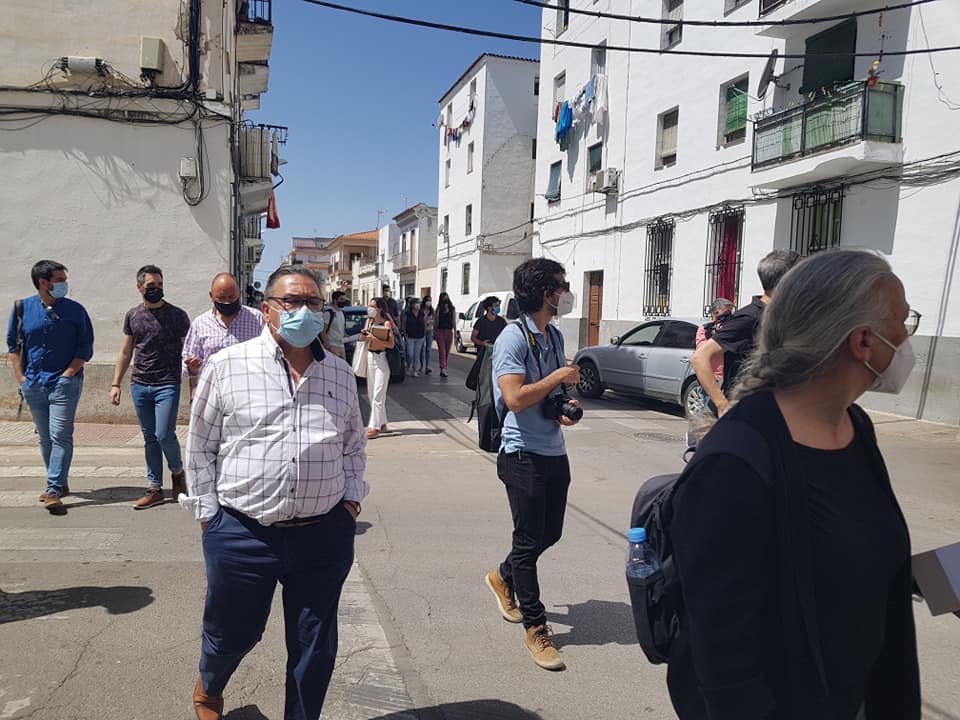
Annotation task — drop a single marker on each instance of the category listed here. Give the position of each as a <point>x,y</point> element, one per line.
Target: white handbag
<point>360,359</point>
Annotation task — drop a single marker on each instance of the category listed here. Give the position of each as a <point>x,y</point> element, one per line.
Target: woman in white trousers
<point>378,367</point>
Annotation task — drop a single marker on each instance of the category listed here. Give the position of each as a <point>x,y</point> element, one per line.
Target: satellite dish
<point>767,76</point>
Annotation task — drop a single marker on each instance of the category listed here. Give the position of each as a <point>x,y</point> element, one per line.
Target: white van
<point>465,320</point>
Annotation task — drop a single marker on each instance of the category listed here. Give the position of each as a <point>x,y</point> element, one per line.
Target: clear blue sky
<point>360,98</point>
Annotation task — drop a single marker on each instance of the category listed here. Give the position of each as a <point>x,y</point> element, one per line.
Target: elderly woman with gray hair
<point>796,577</point>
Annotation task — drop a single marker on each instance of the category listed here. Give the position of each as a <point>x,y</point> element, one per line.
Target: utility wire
<point>721,23</point>
<point>590,46</point>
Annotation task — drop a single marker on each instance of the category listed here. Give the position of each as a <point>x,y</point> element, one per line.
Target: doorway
<point>594,306</point>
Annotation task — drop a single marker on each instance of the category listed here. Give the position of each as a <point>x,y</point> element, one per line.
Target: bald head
<point>224,289</point>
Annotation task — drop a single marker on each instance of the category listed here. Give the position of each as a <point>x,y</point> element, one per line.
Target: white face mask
<point>371,312</point>
<point>565,303</point>
<point>898,371</point>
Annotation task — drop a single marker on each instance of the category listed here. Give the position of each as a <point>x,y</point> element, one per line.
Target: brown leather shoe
<point>545,654</point>
<point>153,496</point>
<point>207,707</point>
<point>44,494</point>
<point>53,503</point>
<point>179,483</point>
<point>505,602</point>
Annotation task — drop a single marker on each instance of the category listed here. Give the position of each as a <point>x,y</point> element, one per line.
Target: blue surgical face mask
<point>300,327</point>
<point>496,310</point>
<point>60,289</point>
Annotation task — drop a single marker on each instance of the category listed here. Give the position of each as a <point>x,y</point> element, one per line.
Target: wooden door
<point>594,307</point>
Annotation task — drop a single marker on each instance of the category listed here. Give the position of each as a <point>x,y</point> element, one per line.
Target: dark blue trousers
<point>244,561</point>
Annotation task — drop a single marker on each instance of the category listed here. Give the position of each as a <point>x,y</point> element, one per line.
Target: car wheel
<point>461,348</point>
<point>589,385</point>
<point>693,400</point>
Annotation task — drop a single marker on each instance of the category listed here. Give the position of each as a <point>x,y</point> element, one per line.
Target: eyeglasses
<point>295,303</point>
<point>912,322</point>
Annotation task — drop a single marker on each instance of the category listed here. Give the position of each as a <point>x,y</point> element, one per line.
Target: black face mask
<point>341,303</point>
<point>228,309</point>
<point>153,295</point>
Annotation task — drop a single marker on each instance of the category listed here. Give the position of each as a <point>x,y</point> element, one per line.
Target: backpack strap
<point>21,338</point>
<point>736,438</point>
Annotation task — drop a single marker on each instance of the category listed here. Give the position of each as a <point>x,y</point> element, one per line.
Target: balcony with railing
<point>851,128</point>
<point>258,164</point>
<point>254,30</point>
<point>404,260</point>
<point>251,228</point>
<point>776,11</point>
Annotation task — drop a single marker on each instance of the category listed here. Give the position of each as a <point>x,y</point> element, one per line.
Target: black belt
<point>298,522</point>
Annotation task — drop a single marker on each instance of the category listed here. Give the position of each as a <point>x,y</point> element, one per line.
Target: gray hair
<point>817,305</point>
<point>285,270</point>
<point>720,305</point>
<point>774,266</point>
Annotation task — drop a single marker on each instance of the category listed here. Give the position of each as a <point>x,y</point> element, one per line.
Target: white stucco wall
<point>104,199</point>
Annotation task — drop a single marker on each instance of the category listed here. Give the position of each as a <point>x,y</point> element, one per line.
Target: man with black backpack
<point>50,339</point>
<point>529,378</point>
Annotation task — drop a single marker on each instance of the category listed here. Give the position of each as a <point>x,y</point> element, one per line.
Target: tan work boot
<point>153,496</point>
<point>45,494</point>
<point>505,603</point>
<point>207,707</point>
<point>179,483</point>
<point>53,503</point>
<point>545,654</point>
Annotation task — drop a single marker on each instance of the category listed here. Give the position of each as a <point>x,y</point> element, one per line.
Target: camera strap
<point>535,347</point>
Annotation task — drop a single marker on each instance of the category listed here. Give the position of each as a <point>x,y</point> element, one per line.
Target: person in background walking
<point>429,318</point>
<point>50,338</point>
<point>393,309</point>
<point>153,335</point>
<point>276,457</point>
<point>335,325</point>
<point>721,309</point>
<point>416,330</point>
<point>488,326</point>
<point>732,340</point>
<point>797,587</point>
<point>378,367</point>
<point>228,323</point>
<point>446,320</point>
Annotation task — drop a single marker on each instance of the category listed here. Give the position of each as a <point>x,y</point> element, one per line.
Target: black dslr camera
<point>558,405</point>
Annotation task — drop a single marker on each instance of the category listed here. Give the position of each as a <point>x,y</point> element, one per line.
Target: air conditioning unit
<point>606,181</point>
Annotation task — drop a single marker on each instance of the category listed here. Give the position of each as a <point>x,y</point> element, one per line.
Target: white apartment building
<point>670,197</point>
<point>387,240</point>
<point>413,253</point>
<point>488,142</point>
<point>125,143</point>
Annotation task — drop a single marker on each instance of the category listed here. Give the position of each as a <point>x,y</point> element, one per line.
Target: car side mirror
<point>462,316</point>
<point>615,340</point>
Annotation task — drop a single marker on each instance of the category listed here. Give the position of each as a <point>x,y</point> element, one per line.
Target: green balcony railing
<point>851,113</point>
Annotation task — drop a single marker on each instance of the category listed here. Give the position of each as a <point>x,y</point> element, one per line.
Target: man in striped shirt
<point>229,322</point>
<point>276,455</point>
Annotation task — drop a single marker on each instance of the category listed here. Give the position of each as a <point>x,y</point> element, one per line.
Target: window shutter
<point>736,110</point>
<point>668,137</point>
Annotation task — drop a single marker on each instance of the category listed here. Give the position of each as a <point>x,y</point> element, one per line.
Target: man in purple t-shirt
<point>155,330</point>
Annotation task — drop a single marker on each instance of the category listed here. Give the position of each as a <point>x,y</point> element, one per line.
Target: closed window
<point>450,115</point>
<point>553,186</point>
<point>536,86</point>
<point>667,125</point>
<point>598,60</point>
<point>816,220</point>
<point>563,16</point>
<point>465,280</point>
<point>724,257</point>
<point>468,220</point>
<point>671,32</point>
<point>469,158</point>
<point>559,88</point>
<point>595,157</point>
<point>829,57</point>
<point>443,279</point>
<point>734,99</point>
<point>446,174</point>
<point>446,228</point>
<point>473,88</point>
<point>533,148</point>
<point>659,268</point>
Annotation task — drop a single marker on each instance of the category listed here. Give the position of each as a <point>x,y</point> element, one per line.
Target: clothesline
<point>588,105</point>
<point>455,133</point>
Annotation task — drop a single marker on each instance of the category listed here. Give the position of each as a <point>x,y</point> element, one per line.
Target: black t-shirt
<point>414,326</point>
<point>445,317</point>
<point>489,330</point>
<point>858,544</point>
<point>735,335</point>
<point>158,335</point>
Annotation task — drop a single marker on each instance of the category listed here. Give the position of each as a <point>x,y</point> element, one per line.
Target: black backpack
<point>657,600</point>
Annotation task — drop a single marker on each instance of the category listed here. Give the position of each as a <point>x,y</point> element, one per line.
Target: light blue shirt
<point>528,429</point>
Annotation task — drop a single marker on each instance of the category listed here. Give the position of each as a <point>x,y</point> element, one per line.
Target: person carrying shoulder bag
<point>379,334</point>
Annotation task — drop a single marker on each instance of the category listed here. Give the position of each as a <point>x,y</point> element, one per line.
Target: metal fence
<point>850,113</point>
<point>816,220</point>
<point>659,268</point>
<point>259,12</point>
<point>724,257</point>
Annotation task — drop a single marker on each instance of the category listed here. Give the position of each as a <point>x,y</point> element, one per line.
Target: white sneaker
<point>416,374</point>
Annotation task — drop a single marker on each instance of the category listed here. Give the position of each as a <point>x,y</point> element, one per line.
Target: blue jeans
<point>428,343</point>
<point>53,408</point>
<point>157,407</point>
<point>244,562</point>
<point>414,353</point>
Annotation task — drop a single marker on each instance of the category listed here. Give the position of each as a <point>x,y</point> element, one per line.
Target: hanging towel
<point>588,91</point>
<point>275,155</point>
<point>600,99</point>
<point>556,112</point>
<point>564,124</point>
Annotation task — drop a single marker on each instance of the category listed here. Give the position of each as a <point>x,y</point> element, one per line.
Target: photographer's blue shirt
<point>54,337</point>
<point>528,429</point>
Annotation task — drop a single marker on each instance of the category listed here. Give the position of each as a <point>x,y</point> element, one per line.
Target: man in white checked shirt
<point>276,456</point>
<point>228,323</point>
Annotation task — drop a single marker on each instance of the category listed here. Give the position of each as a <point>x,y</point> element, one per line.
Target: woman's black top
<point>445,317</point>
<point>414,326</point>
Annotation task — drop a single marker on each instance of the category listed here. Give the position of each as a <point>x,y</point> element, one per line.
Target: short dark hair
<point>337,294</point>
<point>532,278</point>
<point>148,270</point>
<point>385,286</point>
<point>774,266</point>
<point>489,301</point>
<point>44,269</point>
<point>285,270</point>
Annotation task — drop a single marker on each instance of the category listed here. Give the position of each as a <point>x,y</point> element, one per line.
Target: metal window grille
<point>770,5</point>
<point>255,11</point>
<point>724,257</point>
<point>816,220</point>
<point>659,268</point>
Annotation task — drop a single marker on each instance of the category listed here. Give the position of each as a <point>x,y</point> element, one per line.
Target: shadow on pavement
<point>468,710</point>
<point>247,712</point>
<point>117,600</point>
<point>362,527</point>
<point>934,712</point>
<point>596,622</point>
<point>107,495</point>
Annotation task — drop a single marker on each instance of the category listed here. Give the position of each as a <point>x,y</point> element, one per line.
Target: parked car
<point>355,318</point>
<point>651,360</point>
<point>466,320</point>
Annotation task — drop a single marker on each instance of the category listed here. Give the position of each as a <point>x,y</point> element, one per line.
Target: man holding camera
<point>530,378</point>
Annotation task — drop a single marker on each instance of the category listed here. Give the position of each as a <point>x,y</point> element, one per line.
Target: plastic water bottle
<point>641,559</point>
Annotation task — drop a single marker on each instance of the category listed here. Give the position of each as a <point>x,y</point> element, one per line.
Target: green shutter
<point>736,111</point>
